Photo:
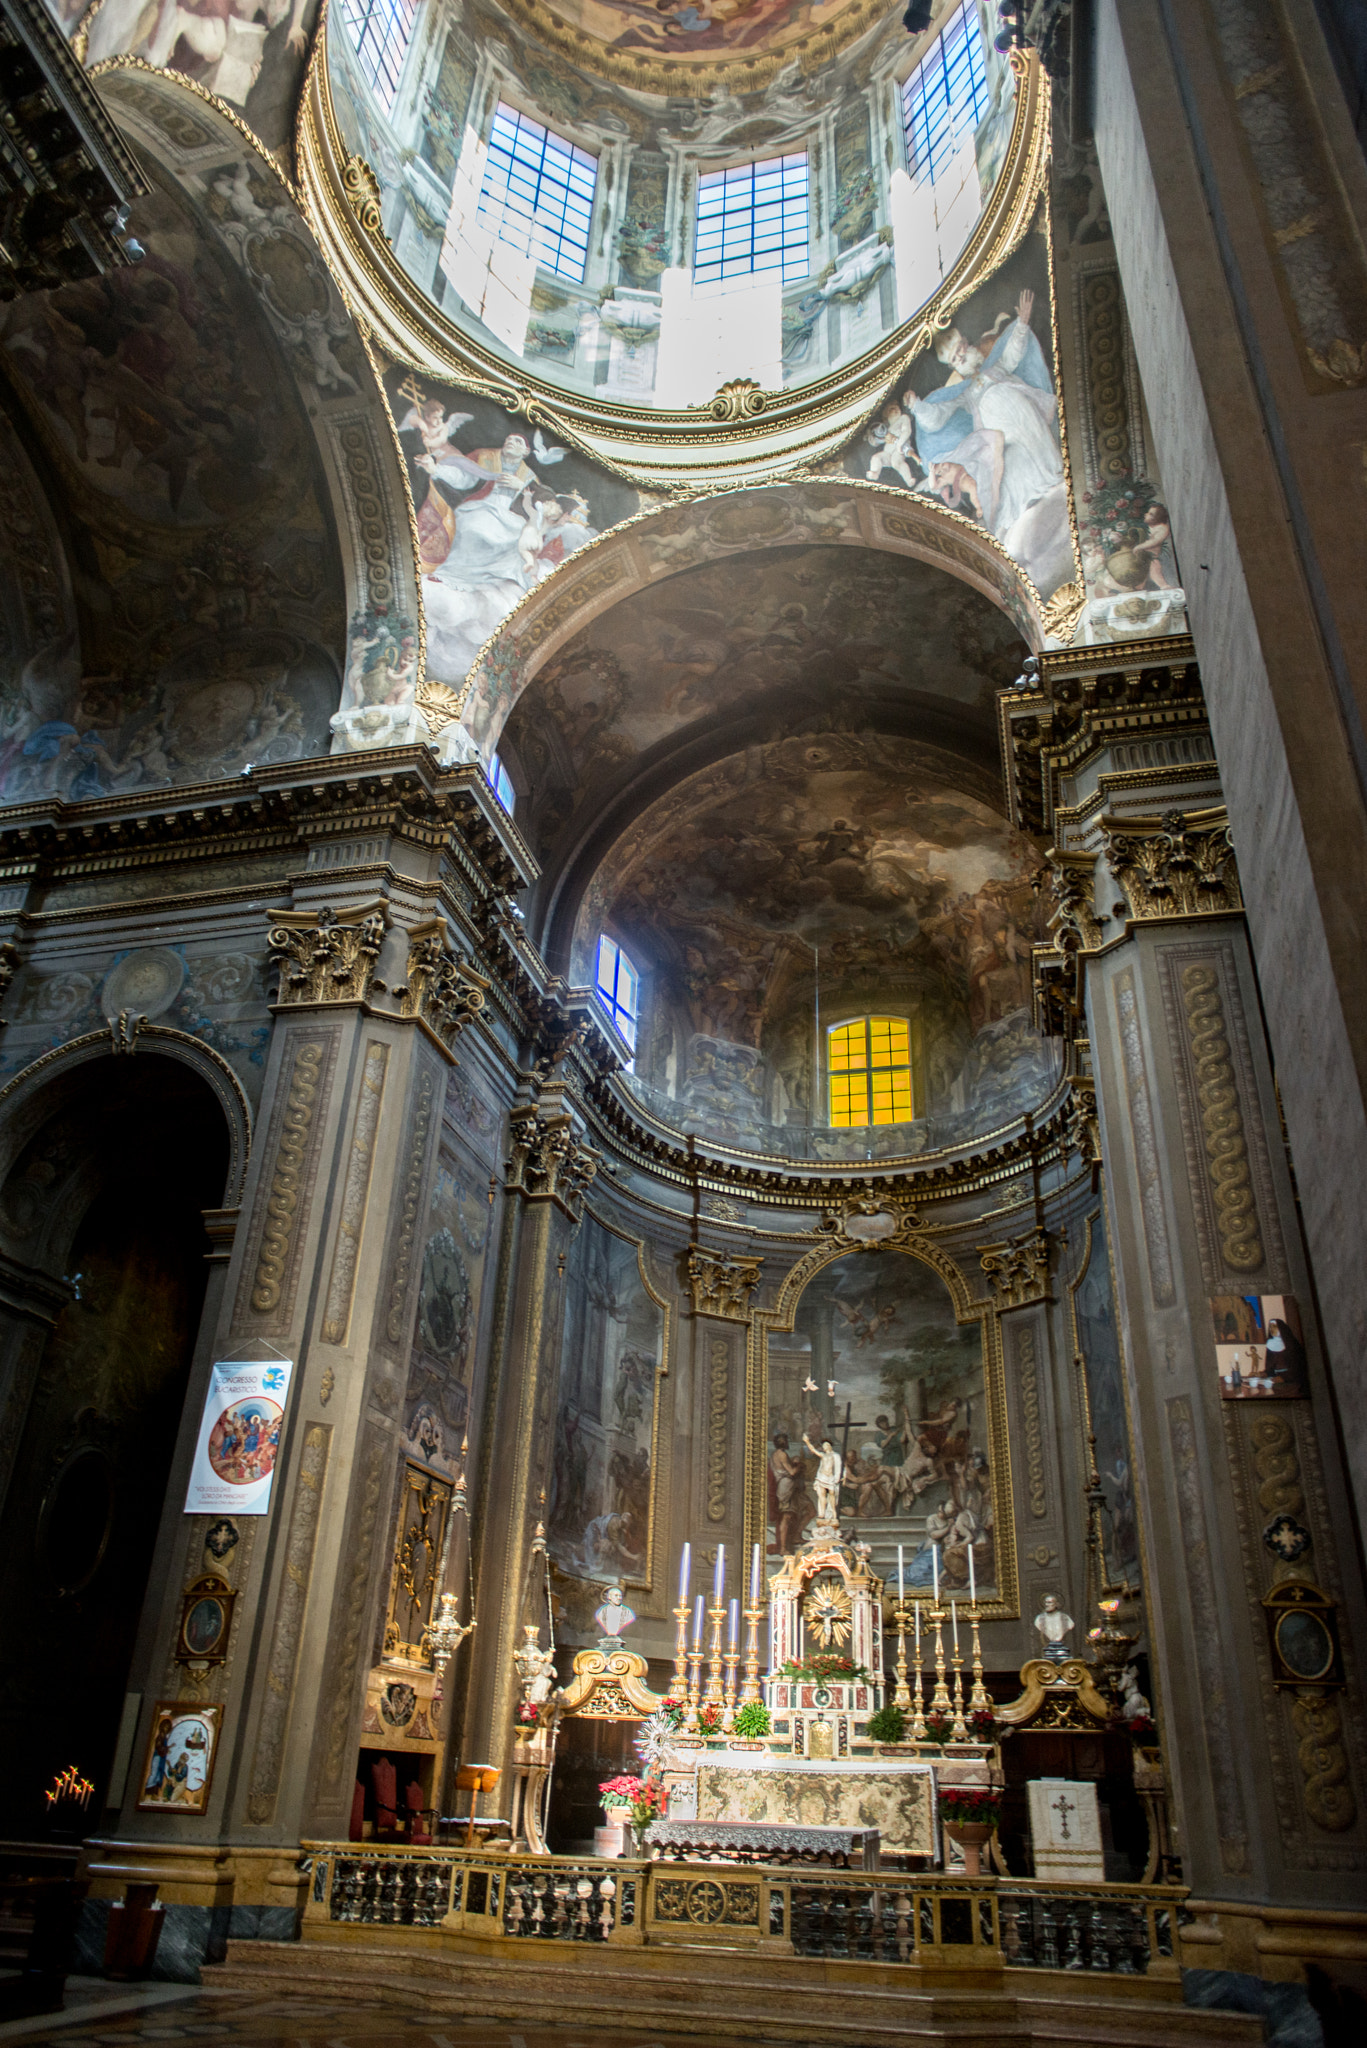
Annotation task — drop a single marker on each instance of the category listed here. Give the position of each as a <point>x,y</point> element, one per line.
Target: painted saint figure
<point>829,1473</point>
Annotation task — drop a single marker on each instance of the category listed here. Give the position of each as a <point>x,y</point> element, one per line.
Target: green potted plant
<point>969,1815</point>
<point>888,1725</point>
<point>939,1727</point>
<point>750,1724</point>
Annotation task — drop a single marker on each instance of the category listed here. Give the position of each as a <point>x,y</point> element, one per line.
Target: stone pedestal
<point>1065,1830</point>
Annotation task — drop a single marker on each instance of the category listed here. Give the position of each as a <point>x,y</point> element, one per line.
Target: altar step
<point>711,1995</point>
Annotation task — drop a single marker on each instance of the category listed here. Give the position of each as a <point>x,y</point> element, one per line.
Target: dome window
<point>945,97</point>
<point>619,988</point>
<point>753,220</point>
<point>869,1067</point>
<point>537,193</point>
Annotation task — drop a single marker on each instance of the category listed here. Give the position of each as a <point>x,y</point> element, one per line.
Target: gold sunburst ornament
<point>826,1612</point>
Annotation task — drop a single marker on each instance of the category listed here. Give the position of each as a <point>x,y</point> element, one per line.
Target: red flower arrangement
<point>643,1797</point>
<point>1141,1729</point>
<point>826,1667</point>
<point>981,1804</point>
<point>710,1718</point>
<point>982,1724</point>
<point>527,1715</point>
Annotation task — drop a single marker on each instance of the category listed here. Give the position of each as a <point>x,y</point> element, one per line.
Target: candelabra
<point>679,1689</point>
<point>978,1700</point>
<point>750,1690</point>
<point>716,1615</point>
<point>901,1696</point>
<point>940,1701</point>
<point>918,1718</point>
<point>731,1661</point>
<point>694,1685</point>
<point>959,1730</point>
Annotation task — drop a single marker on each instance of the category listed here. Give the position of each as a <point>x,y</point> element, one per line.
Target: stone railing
<point>908,1917</point>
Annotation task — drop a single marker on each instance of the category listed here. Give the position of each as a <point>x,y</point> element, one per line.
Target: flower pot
<point>970,1836</point>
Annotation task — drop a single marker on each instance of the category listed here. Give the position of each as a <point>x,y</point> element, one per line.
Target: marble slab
<point>850,1848</point>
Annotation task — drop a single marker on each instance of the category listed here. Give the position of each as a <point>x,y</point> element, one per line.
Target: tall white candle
<point>972,1579</point>
<point>754,1576</point>
<point>935,1568</point>
<point>918,1633</point>
<point>733,1625</point>
<point>719,1576</point>
<point>954,1617</point>
<point>697,1622</point>
<point>685,1573</point>
<point>901,1588</point>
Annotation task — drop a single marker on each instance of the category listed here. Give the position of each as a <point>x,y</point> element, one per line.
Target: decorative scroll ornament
<point>362,189</point>
<point>1056,1696</point>
<point>324,958</point>
<point>1071,880</point>
<point>609,1685</point>
<point>440,991</point>
<point>1081,1129</point>
<point>1063,611</point>
<point>548,1162</point>
<point>1179,870</point>
<point>721,1286</point>
<point>742,399</point>
<point>870,1221</point>
<point>1236,1209</point>
<point>1018,1269</point>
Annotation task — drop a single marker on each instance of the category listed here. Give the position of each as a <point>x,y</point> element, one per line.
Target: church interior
<point>683,826</point>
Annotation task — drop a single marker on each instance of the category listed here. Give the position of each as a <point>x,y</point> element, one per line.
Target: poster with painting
<point>179,1767</point>
<point>1259,1347</point>
<point>878,1367</point>
<point>977,426</point>
<point>499,508</point>
<point>239,1437</point>
<point>613,1346</point>
<point>1097,1338</point>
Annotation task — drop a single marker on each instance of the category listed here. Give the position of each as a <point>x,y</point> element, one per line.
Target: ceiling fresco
<point>856,862</point>
<point>823,635</point>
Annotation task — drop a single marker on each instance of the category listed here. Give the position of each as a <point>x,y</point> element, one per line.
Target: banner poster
<point>239,1437</point>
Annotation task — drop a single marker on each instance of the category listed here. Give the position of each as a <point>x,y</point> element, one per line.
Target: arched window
<point>945,97</point>
<point>501,782</point>
<point>869,1065</point>
<point>619,988</point>
<point>381,31</point>
<point>538,192</point>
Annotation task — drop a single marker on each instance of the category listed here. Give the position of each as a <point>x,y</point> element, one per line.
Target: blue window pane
<point>619,987</point>
<point>502,784</point>
<point>752,218</point>
<point>380,31</point>
<point>946,96</point>
<point>537,193</point>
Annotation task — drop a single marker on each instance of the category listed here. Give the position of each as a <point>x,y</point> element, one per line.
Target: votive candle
<point>935,1568</point>
<point>685,1573</point>
<point>916,1606</point>
<point>972,1578</point>
<point>954,1618</point>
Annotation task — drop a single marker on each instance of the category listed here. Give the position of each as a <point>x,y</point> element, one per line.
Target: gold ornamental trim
<point>679,451</point>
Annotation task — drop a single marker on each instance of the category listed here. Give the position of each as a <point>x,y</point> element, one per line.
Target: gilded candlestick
<point>978,1700</point>
<point>731,1661</point>
<point>750,1690</point>
<point>716,1615</point>
<point>901,1696</point>
<point>959,1731</point>
<point>679,1689</point>
<point>940,1702</point>
<point>918,1719</point>
<point>694,1687</point>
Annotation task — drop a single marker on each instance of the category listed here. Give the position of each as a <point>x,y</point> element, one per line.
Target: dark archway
<point>106,1201</point>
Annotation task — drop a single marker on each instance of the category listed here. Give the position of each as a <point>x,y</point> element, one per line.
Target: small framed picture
<point>179,1767</point>
<point>206,1621</point>
<point>1259,1348</point>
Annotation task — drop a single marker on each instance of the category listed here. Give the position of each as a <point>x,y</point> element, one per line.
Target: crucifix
<point>845,1429</point>
<point>1063,1806</point>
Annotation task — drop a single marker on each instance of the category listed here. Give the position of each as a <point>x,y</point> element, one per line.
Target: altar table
<point>897,1798</point>
<point>736,1841</point>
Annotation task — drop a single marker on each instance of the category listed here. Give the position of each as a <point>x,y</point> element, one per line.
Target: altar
<point>894,1797</point>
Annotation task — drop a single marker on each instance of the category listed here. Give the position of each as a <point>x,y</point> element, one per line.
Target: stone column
<point>1152,981</point>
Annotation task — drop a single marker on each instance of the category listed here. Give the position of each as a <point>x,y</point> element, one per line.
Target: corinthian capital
<point>1176,867</point>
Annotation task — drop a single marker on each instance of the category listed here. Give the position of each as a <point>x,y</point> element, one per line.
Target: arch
<point>27,1100</point>
<point>907,1240</point>
<point>643,553</point>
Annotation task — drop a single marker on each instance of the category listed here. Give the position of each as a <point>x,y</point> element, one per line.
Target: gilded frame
<point>910,1243</point>
<point>645,1581</point>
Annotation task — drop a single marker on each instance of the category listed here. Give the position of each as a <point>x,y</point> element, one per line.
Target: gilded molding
<point>409,1204</point>
<point>1027,1375</point>
<point>324,958</point>
<point>355,1195</point>
<point>282,1206</point>
<point>1323,1760</point>
<point>283,1660</point>
<point>720,1285</point>
<point>1018,1269</point>
<point>718,1402</point>
<point>364,197</point>
<point>741,399</point>
<point>1182,869</point>
<point>1236,1216</point>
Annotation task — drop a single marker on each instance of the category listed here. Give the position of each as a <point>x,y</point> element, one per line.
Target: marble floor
<point>237,2019</point>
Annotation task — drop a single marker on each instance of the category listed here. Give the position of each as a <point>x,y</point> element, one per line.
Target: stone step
<point>706,1993</point>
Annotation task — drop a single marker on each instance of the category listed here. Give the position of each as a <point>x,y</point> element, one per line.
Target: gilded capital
<point>721,1286</point>
<point>325,957</point>
<point>1175,867</point>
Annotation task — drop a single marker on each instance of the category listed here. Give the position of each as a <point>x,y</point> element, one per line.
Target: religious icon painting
<point>206,1620</point>
<point>179,1765</point>
<point>1259,1348</point>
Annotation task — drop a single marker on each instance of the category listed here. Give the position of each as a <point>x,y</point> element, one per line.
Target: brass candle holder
<point>731,1664</point>
<point>940,1702</point>
<point>979,1701</point>
<point>679,1689</point>
<point>918,1718</point>
<point>902,1694</point>
<point>750,1690</point>
<point>959,1729</point>
<point>694,1686</point>
<point>716,1616</point>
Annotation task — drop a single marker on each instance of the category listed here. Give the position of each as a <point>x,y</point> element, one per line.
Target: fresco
<point>612,1350</point>
<point>877,1365</point>
<point>499,509</point>
<point>977,426</point>
<point>1098,1338</point>
<point>685,28</point>
<point>250,53</point>
<point>211,625</point>
<point>455,1244</point>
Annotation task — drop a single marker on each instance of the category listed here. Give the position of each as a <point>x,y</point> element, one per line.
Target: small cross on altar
<point>1063,1806</point>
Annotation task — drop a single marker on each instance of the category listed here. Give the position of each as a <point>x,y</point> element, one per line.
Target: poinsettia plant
<point>526,1715</point>
<point>939,1727</point>
<point>826,1668</point>
<point>710,1717</point>
<point>1140,1728</point>
<point>982,1724</point>
<point>970,1804</point>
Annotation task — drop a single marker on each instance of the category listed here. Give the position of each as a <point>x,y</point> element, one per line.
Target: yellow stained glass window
<point>869,1063</point>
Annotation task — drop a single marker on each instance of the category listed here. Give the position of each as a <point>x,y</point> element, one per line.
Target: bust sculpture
<point>613,1617</point>
<point>1054,1626</point>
